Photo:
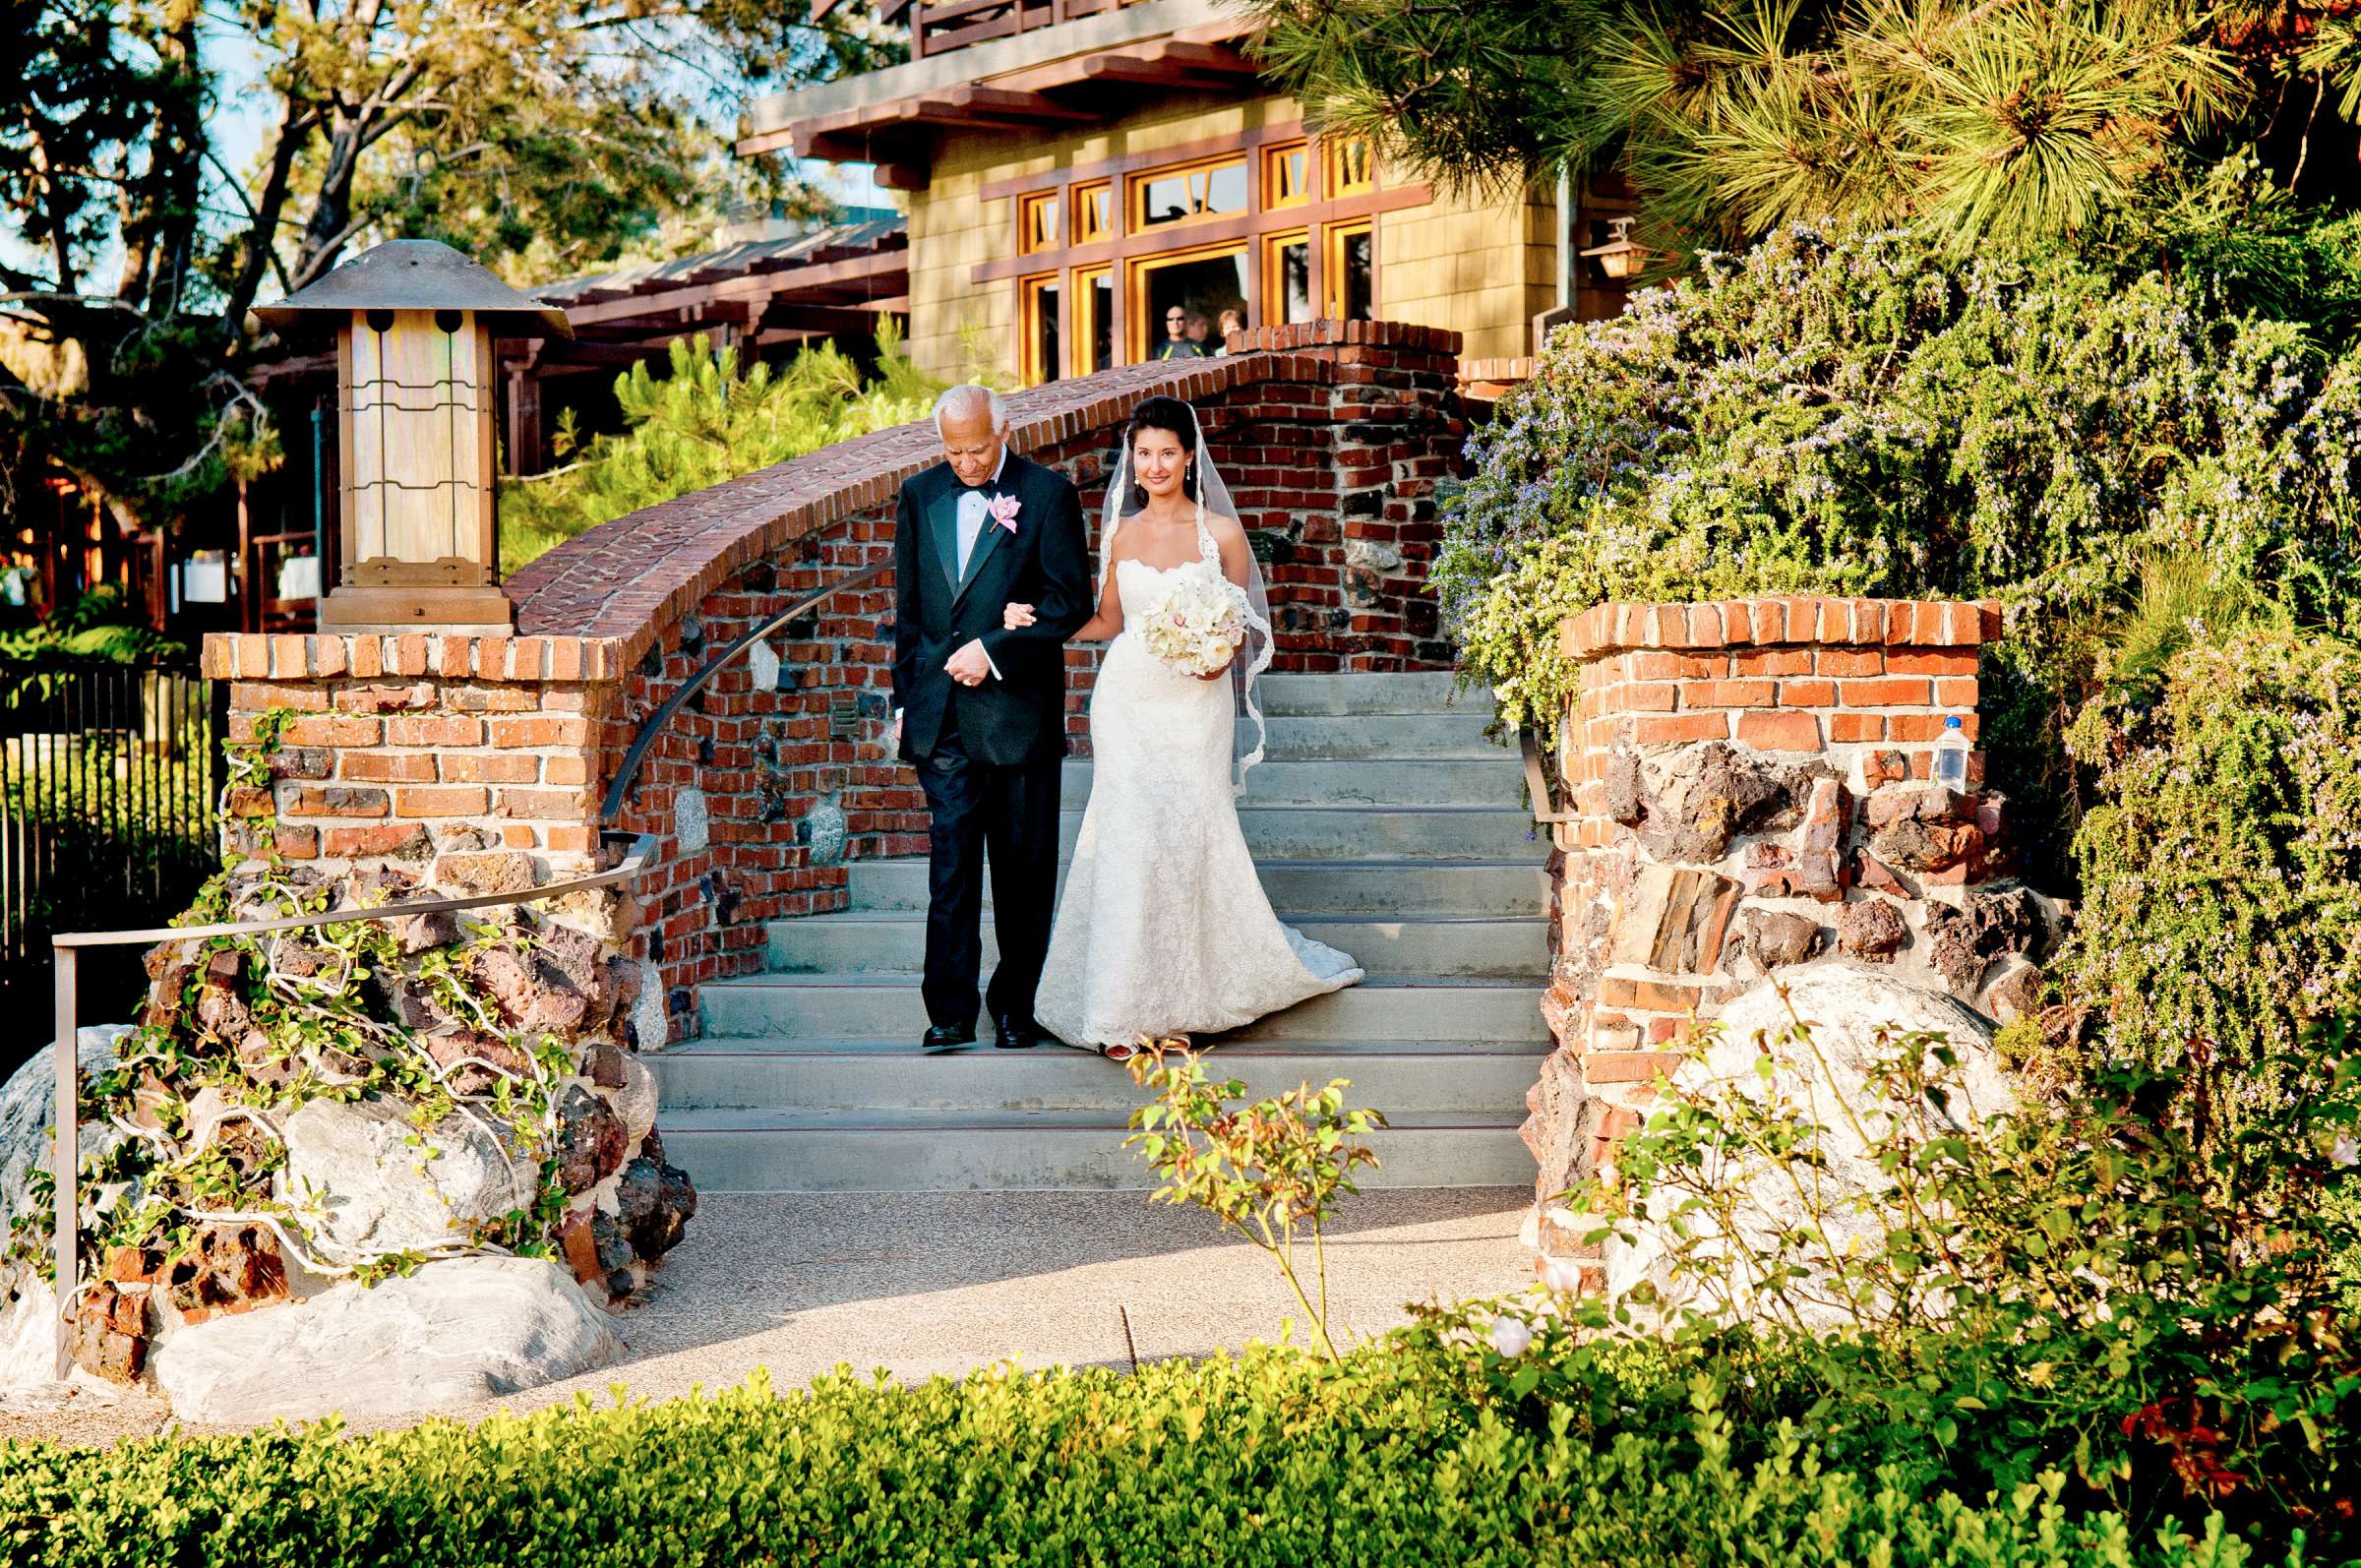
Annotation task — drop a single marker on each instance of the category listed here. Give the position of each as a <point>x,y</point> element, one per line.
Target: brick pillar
<point>1752,783</point>
<point>471,764</point>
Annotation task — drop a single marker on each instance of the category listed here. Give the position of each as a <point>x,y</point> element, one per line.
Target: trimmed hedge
<point>1268,1459</point>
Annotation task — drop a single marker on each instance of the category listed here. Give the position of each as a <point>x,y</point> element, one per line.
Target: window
<point>1037,222</point>
<point>1037,329</point>
<point>1192,189</point>
<point>1286,175</point>
<point>1094,213</point>
<point>1287,279</point>
<point>1352,271</point>
<point>1094,320</point>
<point>1352,167</point>
<point>1178,301</point>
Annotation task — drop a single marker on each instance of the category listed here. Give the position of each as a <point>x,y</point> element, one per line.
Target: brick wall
<point>1331,435</point>
<point>1750,782</point>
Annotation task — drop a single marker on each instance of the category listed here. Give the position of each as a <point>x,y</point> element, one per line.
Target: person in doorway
<point>1232,322</point>
<point>1177,344</point>
<point>980,708</point>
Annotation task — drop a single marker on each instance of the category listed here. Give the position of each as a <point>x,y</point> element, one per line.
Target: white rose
<point>1511,1337</point>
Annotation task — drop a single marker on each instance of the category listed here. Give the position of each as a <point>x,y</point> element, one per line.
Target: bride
<point>1164,929</point>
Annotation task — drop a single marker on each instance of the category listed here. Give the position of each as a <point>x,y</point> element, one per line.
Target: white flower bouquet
<point>1199,623</point>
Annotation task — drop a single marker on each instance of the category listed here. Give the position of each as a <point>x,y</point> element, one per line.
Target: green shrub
<point>703,422</point>
<point>1275,1458</point>
<point>2221,869</point>
<point>1865,414</point>
<point>2074,1287</point>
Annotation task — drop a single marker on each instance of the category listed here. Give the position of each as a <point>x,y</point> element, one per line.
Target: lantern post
<point>416,500</point>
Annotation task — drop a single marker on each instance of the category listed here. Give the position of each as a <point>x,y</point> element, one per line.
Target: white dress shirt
<point>974,511</point>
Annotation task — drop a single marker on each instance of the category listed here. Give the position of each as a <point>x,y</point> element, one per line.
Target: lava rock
<point>1712,797</point>
<point>1777,938</point>
<point>1871,929</point>
<point>590,1139</point>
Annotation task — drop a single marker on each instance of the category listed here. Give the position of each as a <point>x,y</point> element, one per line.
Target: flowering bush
<point>1868,414</point>
<point>2221,870</point>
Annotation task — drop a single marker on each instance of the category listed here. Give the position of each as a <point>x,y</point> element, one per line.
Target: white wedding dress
<point>1163,928</point>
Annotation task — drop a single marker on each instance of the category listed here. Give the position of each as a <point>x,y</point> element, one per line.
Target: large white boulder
<point>452,1333</point>
<point>1845,1006</point>
<point>375,1190</point>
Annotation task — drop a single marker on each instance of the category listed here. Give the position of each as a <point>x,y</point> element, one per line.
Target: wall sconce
<point>1622,258</point>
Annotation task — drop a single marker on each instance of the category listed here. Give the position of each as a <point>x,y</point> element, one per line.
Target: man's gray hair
<point>962,400</point>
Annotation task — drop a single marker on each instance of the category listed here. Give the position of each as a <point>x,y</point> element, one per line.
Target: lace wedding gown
<point>1163,928</point>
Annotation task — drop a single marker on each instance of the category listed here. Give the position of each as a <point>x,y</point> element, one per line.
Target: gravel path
<point>945,1283</point>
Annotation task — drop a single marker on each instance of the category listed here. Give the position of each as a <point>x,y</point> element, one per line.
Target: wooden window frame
<point>1134,291</point>
<point>1029,357</point>
<point>1274,159</point>
<point>1078,309</point>
<point>1033,238</point>
<point>1081,202</point>
<point>1332,258</point>
<point>1333,162</point>
<point>1135,192</point>
<point>1274,284</point>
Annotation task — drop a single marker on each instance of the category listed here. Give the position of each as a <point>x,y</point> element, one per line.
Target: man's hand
<point>970,665</point>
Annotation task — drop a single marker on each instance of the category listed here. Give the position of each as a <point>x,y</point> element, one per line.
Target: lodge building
<point>1092,182</point>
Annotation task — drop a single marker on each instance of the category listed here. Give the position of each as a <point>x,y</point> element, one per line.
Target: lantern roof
<point>417,275</point>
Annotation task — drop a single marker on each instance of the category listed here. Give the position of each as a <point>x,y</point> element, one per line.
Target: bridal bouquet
<point>1196,627</point>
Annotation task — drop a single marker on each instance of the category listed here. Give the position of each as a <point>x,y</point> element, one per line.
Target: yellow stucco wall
<point>1481,268</point>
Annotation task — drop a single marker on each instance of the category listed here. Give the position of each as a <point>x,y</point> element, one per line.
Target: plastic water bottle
<point>1950,755</point>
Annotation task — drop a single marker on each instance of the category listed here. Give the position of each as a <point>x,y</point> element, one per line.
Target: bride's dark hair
<point>1176,419</point>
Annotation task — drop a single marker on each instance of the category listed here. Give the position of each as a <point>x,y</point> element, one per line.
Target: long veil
<point>1248,736</point>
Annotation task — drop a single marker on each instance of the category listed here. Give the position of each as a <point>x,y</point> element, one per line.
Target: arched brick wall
<point>1333,436</point>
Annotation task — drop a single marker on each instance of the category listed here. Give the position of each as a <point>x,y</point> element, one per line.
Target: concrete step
<point>1299,889</point>
<point>1379,735</point>
<point>1489,780</point>
<point>916,1151</point>
<point>895,943</point>
<point>1464,1077</point>
<point>1288,692</point>
<point>1371,832</point>
<point>889,1007</point>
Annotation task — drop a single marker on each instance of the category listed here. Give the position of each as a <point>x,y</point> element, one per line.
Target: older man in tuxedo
<point>980,710</point>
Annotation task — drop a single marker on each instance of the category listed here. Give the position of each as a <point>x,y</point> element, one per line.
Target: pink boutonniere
<point>1003,510</point>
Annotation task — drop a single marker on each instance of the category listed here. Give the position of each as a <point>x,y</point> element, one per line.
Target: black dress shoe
<point>947,1037</point>
<point>1011,1035</point>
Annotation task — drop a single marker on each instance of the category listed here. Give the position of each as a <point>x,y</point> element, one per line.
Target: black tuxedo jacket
<point>1020,717</point>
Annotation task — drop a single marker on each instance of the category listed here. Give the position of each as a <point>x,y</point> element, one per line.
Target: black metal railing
<point>108,775</point>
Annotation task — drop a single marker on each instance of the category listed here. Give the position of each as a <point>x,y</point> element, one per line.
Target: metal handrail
<point>1537,785</point>
<point>638,859</point>
<point>612,807</point>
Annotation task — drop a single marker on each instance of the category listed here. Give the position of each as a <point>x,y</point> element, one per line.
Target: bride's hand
<point>1017,616</point>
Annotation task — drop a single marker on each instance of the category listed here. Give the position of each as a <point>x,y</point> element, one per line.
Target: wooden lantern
<point>414,322</point>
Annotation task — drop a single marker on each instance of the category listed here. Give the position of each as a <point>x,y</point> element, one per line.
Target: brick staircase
<point>1383,823</point>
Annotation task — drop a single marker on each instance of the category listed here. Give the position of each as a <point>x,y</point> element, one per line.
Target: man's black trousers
<point>1011,814</point>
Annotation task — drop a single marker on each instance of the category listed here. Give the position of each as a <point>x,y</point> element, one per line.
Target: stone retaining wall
<point>485,757</point>
<point>1751,784</point>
